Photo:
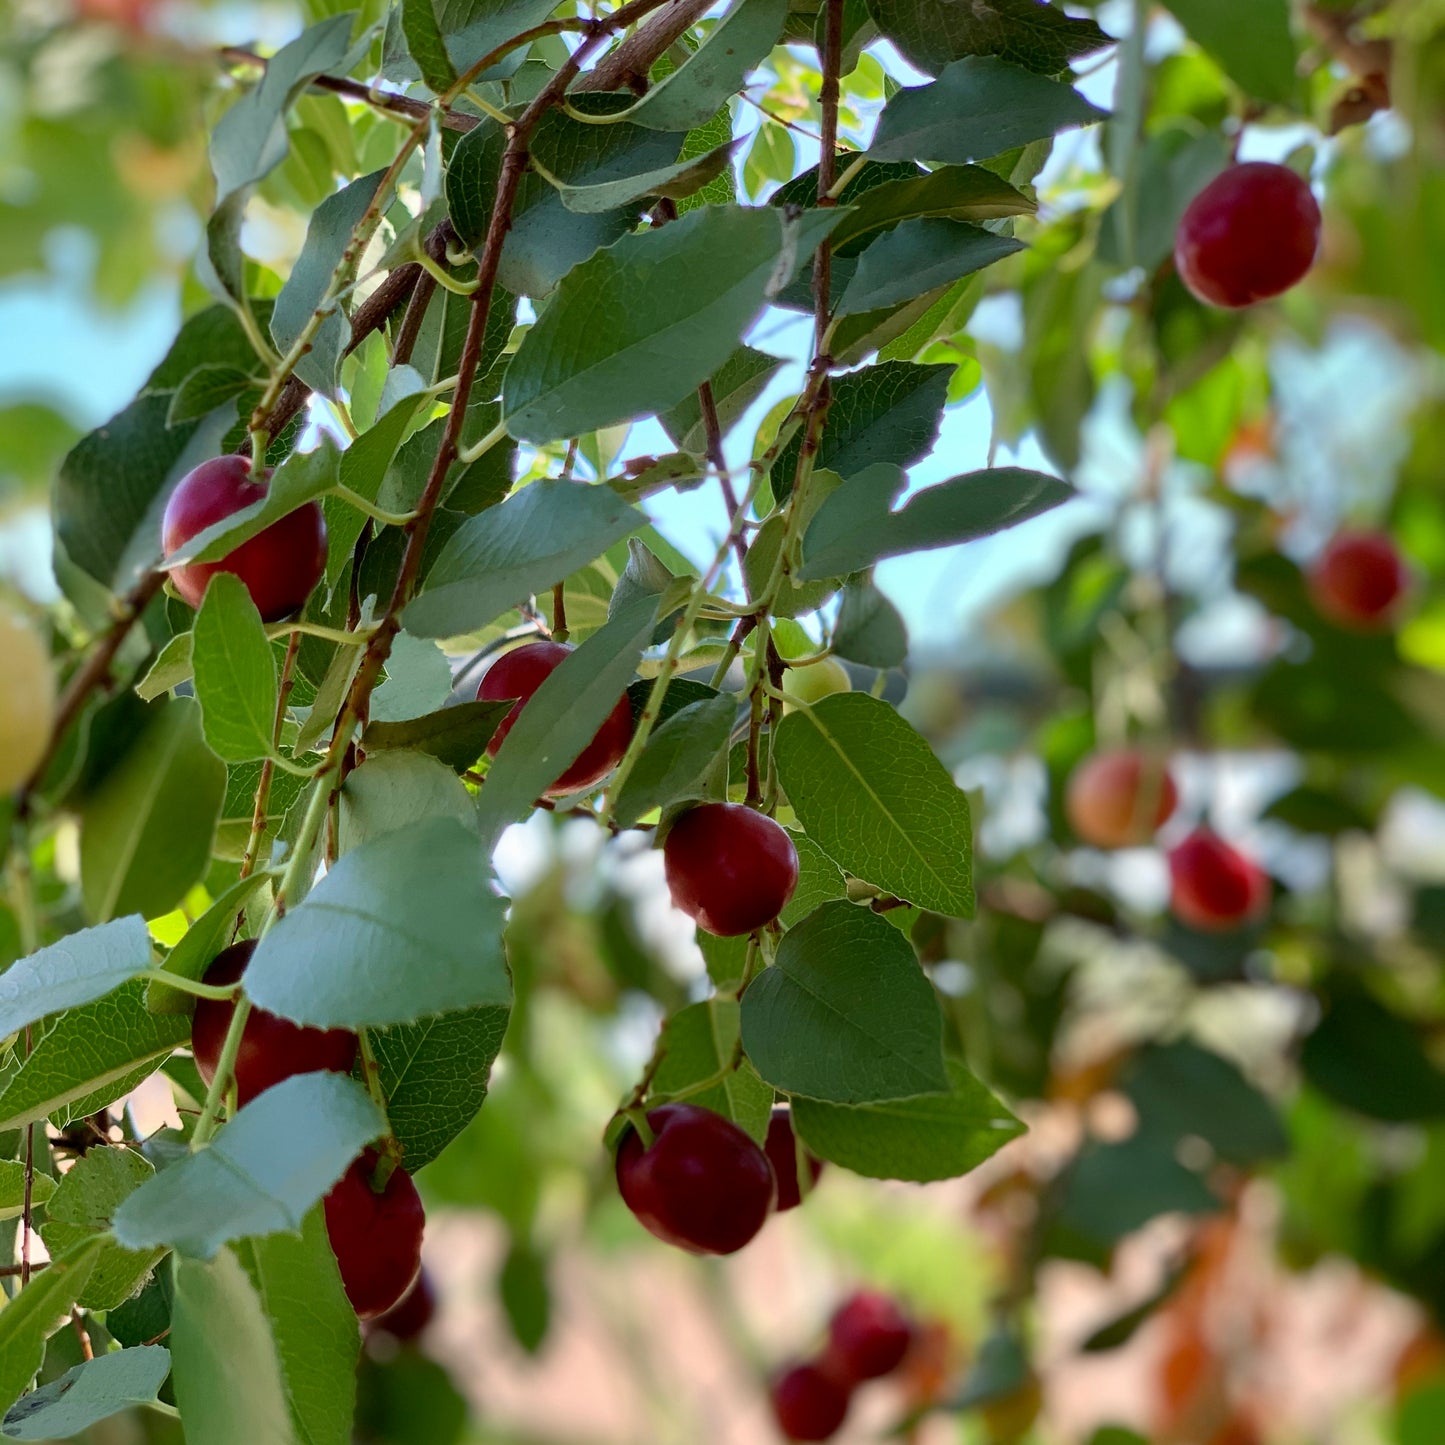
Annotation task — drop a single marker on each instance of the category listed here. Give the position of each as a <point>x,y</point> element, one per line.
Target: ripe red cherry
<point>519,674</point>
<point>272,1048</point>
<point>1119,799</point>
<point>280,566</point>
<point>376,1238</point>
<point>408,1319</point>
<point>782,1151</point>
<point>730,868</point>
<point>1250,234</point>
<point>703,1185</point>
<point>867,1339</point>
<point>1359,580</point>
<point>809,1403</point>
<point>1214,887</point>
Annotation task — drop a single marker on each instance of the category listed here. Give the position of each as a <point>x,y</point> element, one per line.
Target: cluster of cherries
<point>868,1338</point>
<point>1121,798</point>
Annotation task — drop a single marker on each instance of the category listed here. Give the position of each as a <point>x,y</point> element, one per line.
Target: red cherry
<point>782,1151</point>
<point>408,1319</point>
<point>280,566</point>
<point>1214,887</point>
<point>703,1185</point>
<point>1119,799</point>
<point>272,1048</point>
<point>519,674</point>
<point>867,1339</point>
<point>1358,581</point>
<point>809,1403</point>
<point>1250,234</point>
<point>376,1238</point>
<point>730,868</point>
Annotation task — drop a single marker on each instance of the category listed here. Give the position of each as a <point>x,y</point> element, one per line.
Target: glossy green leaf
<point>678,756</point>
<point>475,28</point>
<point>1250,39</point>
<point>736,385</point>
<point>204,939</point>
<point>845,1014</point>
<point>700,1042</point>
<point>12,1188</point>
<point>101,1049</point>
<point>1030,33</point>
<point>563,716</point>
<point>89,1393</point>
<point>426,45</point>
<point>206,388</point>
<point>76,970</point>
<point>402,927</point>
<point>692,93</point>
<point>264,1171</point>
<point>307,288</point>
<point>870,791</point>
<point>36,1313</point>
<point>917,256</point>
<point>531,541</point>
<point>869,629</point>
<point>235,672</point>
<point>313,1325</point>
<point>83,1205</point>
<point>396,790</point>
<point>820,880</point>
<point>456,735</point>
<point>978,107</point>
<point>418,681</point>
<point>228,1383</point>
<point>674,182</point>
<point>937,1137</point>
<point>146,831</point>
<point>435,1074</point>
<point>856,525</point>
<point>642,324</point>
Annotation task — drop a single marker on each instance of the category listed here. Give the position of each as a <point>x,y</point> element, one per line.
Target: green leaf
<point>918,256</point>
<point>676,303</point>
<point>425,43</point>
<point>939,1137</point>
<point>227,1382</point>
<point>563,716</point>
<point>474,28</point>
<point>884,413</point>
<point>313,1325</point>
<point>171,668</point>
<point>869,790</point>
<point>673,182</point>
<point>91,1392</point>
<point>434,1074</point>
<point>456,735</point>
<point>1175,165</point>
<point>978,107</point>
<point>1250,39</point>
<point>109,483</point>
<point>301,478</point>
<point>1026,32</point>
<point>306,289</point>
<point>957,193</point>
<point>820,880</point>
<point>418,680</point>
<point>527,544</point>
<point>235,672</point>
<point>736,385</point>
<point>703,1040</point>
<point>12,1188</point>
<point>722,190</point>
<point>524,1295</point>
<point>103,1048</point>
<point>678,756</point>
<point>692,93</point>
<point>80,968</point>
<point>855,526</point>
<point>397,790</point>
<point>82,1206</point>
<point>845,1013</point>
<point>1114,1189</point>
<point>869,629</point>
<point>404,926</point>
<point>264,1171</point>
<point>203,940</point>
<point>250,139</point>
<point>35,1314</point>
<point>146,830</point>
<point>207,388</point>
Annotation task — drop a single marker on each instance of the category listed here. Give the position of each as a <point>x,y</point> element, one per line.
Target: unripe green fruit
<point>27,701</point>
<point>814,683</point>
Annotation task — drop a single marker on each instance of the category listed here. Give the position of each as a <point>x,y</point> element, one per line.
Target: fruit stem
<point>443,277</point>
<point>190,985</point>
<point>486,107</point>
<point>377,514</point>
<point>467,455</point>
<point>225,1071</point>
<point>849,172</point>
<point>370,1073</point>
